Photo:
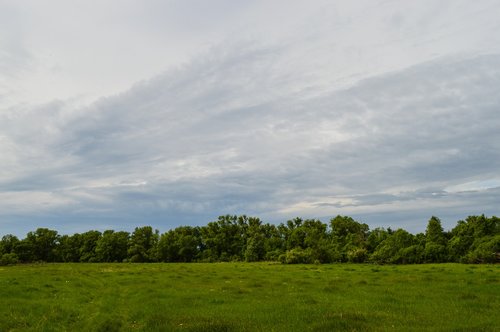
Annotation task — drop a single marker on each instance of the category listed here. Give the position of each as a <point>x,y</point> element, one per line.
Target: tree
<point>237,238</point>
<point>69,249</point>
<point>179,245</point>
<point>375,237</point>
<point>392,249</point>
<point>304,238</point>
<point>43,243</point>
<point>273,242</point>
<point>112,246</point>
<point>467,236</point>
<point>88,246</point>
<point>434,232</point>
<point>295,234</point>
<point>461,240</point>
<point>343,226</point>
<point>8,259</point>
<point>255,247</point>
<point>348,235</point>
<point>224,239</point>
<point>487,251</point>
<point>8,244</point>
<point>143,245</point>
<point>25,251</point>
<point>435,242</point>
<point>255,250</point>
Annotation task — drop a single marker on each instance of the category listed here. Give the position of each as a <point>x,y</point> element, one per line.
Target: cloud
<point>474,186</point>
<point>395,118</point>
<point>220,137</point>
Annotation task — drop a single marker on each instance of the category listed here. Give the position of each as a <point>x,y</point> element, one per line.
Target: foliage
<point>179,245</point>
<point>392,249</point>
<point>143,245</point>
<point>243,238</point>
<point>8,244</point>
<point>486,251</point>
<point>298,256</point>
<point>112,246</point>
<point>88,246</point>
<point>8,259</point>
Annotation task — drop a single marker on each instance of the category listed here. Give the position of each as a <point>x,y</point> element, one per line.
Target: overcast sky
<point>116,114</point>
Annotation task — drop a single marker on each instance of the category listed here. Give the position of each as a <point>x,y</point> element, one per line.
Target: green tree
<point>143,245</point>
<point>273,242</point>
<point>435,242</point>
<point>224,239</point>
<point>43,243</point>
<point>375,237</point>
<point>8,259</point>
<point>112,246</point>
<point>468,235</point>
<point>461,240</point>
<point>392,249</point>
<point>69,249</point>
<point>8,244</point>
<point>88,246</point>
<point>255,239</point>
<point>485,251</point>
<point>348,235</point>
<point>25,251</point>
<point>304,237</point>
<point>255,248</point>
<point>181,244</point>
<point>434,232</point>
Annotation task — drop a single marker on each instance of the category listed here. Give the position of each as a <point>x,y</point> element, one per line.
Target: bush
<point>357,255</point>
<point>297,256</point>
<point>486,252</point>
<point>273,256</point>
<point>9,259</point>
<point>412,254</point>
<point>434,253</point>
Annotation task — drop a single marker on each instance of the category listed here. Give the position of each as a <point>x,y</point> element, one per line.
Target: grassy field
<point>249,297</point>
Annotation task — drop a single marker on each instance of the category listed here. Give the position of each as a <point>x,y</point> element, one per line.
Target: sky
<point>117,114</point>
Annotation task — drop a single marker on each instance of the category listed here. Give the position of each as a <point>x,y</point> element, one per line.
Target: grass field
<point>249,297</point>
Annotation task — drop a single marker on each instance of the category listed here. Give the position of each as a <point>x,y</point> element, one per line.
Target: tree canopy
<point>241,238</point>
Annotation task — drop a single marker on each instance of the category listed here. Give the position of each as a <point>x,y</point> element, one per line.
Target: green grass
<point>249,297</point>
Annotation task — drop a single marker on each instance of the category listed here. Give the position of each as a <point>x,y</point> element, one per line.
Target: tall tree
<point>8,244</point>
<point>143,245</point>
<point>181,244</point>
<point>112,246</point>
<point>69,247</point>
<point>392,249</point>
<point>348,238</point>
<point>43,243</point>
<point>88,246</point>
<point>224,239</point>
<point>434,232</point>
<point>255,247</point>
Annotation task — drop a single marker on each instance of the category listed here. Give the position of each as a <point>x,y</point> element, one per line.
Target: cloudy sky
<point>116,114</point>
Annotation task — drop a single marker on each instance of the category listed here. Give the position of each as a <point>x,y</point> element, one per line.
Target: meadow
<point>249,297</point>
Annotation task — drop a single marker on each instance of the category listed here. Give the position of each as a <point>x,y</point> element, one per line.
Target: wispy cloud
<point>309,124</point>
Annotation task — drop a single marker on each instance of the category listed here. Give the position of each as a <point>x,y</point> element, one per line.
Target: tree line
<point>240,238</point>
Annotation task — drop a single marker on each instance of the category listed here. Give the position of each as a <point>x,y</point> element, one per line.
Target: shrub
<point>297,256</point>
<point>434,253</point>
<point>486,252</point>
<point>357,255</point>
<point>412,254</point>
<point>9,259</point>
<point>273,255</point>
